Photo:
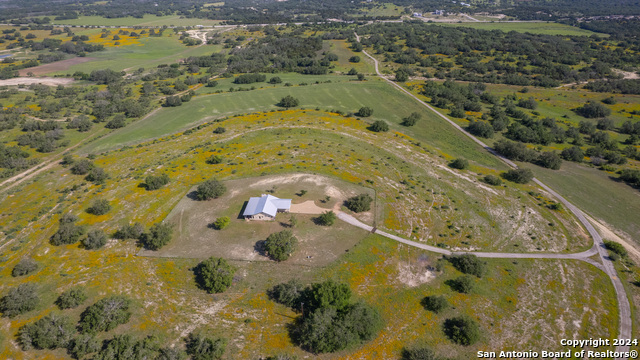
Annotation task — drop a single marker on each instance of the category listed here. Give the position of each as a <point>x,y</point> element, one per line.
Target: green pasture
<point>147,20</point>
<point>388,104</point>
<point>597,193</point>
<point>151,52</point>
<point>546,28</point>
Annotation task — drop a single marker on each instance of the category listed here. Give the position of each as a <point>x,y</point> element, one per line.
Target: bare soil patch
<point>49,81</point>
<point>55,66</point>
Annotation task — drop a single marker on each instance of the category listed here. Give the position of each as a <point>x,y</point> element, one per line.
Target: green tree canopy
<point>210,189</point>
<point>214,275</point>
<point>280,245</point>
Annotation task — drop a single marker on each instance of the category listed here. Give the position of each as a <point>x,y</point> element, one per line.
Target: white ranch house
<point>265,207</point>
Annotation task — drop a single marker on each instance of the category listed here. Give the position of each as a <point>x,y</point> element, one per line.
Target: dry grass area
<point>318,245</point>
<point>53,67</point>
<point>417,195</point>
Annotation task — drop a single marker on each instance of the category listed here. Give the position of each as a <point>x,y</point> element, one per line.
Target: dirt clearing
<point>55,66</point>
<point>50,81</point>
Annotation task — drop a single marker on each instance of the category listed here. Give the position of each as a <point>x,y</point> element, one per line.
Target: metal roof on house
<point>267,204</point>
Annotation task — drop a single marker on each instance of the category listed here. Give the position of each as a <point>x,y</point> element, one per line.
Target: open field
<point>343,96</point>
<point>546,28</point>
<point>508,299</point>
<point>58,66</point>
<point>318,245</point>
<point>150,52</point>
<point>147,20</point>
<point>594,192</point>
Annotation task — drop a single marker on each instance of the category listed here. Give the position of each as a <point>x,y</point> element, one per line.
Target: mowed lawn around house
<point>388,104</point>
<point>242,240</point>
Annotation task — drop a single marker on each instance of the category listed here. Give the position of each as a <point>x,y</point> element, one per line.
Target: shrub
<point>481,128</point>
<point>97,175</point>
<point>275,80</point>
<point>354,59</point>
<point>249,78</point>
<point>124,347</point>
<point>156,182</point>
<point>288,102</point>
<point>158,236</point>
<point>71,298</point>
<point>418,353</point>
<point>219,130</point>
<point>457,112</point>
<point>25,267</point>
<point>168,353</point>
<point>605,124</point>
<point>459,164</point>
<point>520,176</point>
<point>214,275</point>
<point>280,245</point>
<point>379,126</point>
<point>609,101</point>
<point>327,218</point>
<point>463,284</point>
<point>411,119</point>
<point>221,222</point>
<point>83,345</point>
<point>593,110</point>
<point>49,332</point>
<point>172,101</point>
<point>204,348</point>
<point>81,167</point>
<point>212,83</point>
<point>615,248</point>
<point>99,207</point>
<point>215,159</point>
<point>468,264</point>
<point>19,300</point>
<point>328,329</point>
<point>492,180</point>
<point>105,314</point>
<point>289,294</point>
<point>117,122</point>
<point>95,239</point>
<point>210,189</point>
<point>435,303</point>
<point>68,232</point>
<point>365,111</point>
<point>550,160</point>
<point>462,330</point>
<point>573,153</point>
<point>328,294</point>
<point>129,231</point>
<point>359,203</point>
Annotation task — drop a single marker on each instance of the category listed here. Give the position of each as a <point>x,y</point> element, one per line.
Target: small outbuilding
<point>265,207</point>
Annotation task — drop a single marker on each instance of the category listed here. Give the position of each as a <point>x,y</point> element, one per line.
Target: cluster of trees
<point>507,116</point>
<point>515,58</point>
<point>280,52</point>
<point>330,321</point>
